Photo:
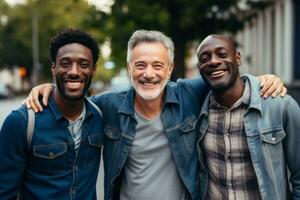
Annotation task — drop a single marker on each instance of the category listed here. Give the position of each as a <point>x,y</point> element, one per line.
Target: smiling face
<point>73,70</point>
<point>149,69</point>
<point>218,62</point>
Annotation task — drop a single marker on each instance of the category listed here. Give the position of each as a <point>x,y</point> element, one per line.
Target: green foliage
<point>54,15</point>
<point>185,21</point>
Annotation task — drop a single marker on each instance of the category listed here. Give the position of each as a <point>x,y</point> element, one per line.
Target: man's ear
<point>238,58</point>
<point>94,68</point>
<point>52,68</point>
<point>170,71</point>
<point>128,68</point>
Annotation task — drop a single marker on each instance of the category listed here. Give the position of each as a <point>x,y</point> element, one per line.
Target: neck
<point>229,96</point>
<point>70,109</point>
<point>149,109</point>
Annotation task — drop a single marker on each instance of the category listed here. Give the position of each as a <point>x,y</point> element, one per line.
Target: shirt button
<point>73,192</point>
<point>273,139</point>
<point>230,184</point>
<point>50,155</point>
<point>228,157</point>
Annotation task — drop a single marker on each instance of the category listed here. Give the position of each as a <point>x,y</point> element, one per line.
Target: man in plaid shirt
<point>246,143</point>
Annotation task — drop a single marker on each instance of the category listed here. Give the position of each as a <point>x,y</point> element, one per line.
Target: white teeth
<point>148,83</point>
<point>73,84</point>
<point>217,72</point>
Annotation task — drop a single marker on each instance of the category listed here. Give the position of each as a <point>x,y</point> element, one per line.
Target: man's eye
<point>65,64</point>
<point>203,59</point>
<point>140,66</point>
<point>84,65</point>
<point>222,54</point>
<point>158,66</point>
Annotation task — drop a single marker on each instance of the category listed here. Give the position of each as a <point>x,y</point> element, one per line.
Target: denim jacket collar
<point>58,115</point>
<point>255,99</point>
<point>127,106</point>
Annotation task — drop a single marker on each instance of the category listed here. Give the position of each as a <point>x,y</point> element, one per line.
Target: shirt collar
<point>81,116</point>
<point>58,115</point>
<point>244,99</point>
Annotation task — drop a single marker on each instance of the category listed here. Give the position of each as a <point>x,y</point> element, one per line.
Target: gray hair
<point>145,36</point>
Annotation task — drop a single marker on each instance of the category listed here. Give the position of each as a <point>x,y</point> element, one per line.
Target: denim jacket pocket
<point>94,150</point>
<point>188,130</point>
<point>189,124</point>
<point>112,133</point>
<point>50,151</point>
<point>96,140</point>
<point>273,136</point>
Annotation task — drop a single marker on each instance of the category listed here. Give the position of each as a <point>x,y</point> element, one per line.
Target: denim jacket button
<point>50,155</point>
<point>273,138</point>
<point>73,192</point>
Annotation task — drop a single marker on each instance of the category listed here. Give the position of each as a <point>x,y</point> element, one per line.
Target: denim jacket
<point>182,103</point>
<point>271,127</point>
<point>50,168</point>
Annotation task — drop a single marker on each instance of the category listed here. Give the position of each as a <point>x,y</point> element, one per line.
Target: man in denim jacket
<point>246,143</point>
<point>63,158</point>
<point>151,130</point>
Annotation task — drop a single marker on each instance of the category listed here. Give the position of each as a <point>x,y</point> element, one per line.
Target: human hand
<point>32,101</point>
<point>271,85</point>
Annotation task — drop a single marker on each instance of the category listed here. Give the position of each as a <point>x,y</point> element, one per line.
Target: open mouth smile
<point>217,73</point>
<point>73,84</point>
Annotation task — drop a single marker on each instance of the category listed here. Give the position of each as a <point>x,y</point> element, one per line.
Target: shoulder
<point>196,87</point>
<point>280,106</point>
<point>18,115</point>
<point>109,97</point>
<point>15,123</point>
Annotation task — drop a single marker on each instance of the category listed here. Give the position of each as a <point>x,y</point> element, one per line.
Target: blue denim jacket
<point>50,168</point>
<point>271,127</point>
<point>182,103</point>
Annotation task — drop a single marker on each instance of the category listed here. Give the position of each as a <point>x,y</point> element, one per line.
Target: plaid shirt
<point>231,173</point>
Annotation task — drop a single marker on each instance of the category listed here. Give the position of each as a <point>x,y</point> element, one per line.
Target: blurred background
<point>265,31</point>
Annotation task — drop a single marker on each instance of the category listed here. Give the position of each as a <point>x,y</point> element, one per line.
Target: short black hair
<point>68,36</point>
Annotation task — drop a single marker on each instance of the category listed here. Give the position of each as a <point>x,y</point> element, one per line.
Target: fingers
<point>46,95</point>
<point>266,90</point>
<point>33,103</point>
<point>284,92</point>
<point>262,81</point>
<point>272,88</point>
<point>276,92</point>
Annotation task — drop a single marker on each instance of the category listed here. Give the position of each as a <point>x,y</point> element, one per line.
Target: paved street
<point>7,105</point>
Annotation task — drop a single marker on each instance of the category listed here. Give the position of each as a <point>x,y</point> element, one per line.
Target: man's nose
<point>74,69</point>
<point>149,73</point>
<point>215,60</point>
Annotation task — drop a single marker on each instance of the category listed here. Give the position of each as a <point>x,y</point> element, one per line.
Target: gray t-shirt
<point>75,128</point>
<point>150,171</point>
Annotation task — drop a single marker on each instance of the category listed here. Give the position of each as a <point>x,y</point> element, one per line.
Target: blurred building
<point>268,42</point>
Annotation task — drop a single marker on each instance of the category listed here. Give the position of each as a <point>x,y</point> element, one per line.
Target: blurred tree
<point>183,20</point>
<point>52,16</point>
